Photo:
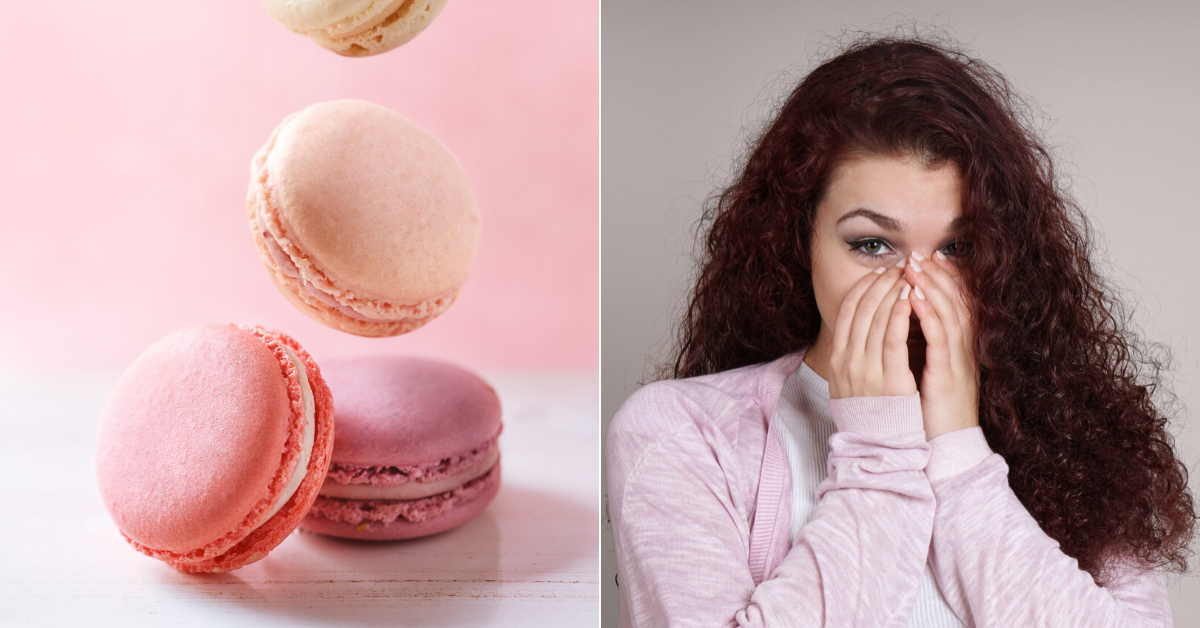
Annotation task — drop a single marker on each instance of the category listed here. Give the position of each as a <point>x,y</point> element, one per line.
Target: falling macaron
<point>363,220</point>
<point>356,28</point>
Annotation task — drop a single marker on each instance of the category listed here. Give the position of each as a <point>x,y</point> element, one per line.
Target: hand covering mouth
<point>914,330</point>
<point>916,349</point>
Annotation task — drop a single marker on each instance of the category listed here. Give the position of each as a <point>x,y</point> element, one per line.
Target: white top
<point>805,425</point>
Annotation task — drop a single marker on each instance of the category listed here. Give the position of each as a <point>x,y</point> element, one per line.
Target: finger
<point>945,273</point>
<point>849,306</point>
<point>868,306</point>
<point>937,353</point>
<point>879,324</point>
<point>919,270</point>
<point>895,345</point>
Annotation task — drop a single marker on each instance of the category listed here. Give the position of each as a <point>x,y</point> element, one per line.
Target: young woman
<point>901,394</point>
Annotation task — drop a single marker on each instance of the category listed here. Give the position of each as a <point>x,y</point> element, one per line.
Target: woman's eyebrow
<point>886,222</point>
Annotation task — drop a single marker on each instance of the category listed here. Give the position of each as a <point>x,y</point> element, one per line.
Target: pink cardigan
<point>699,495</point>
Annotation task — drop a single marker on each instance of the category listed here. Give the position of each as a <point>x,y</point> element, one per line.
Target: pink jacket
<point>699,495</point>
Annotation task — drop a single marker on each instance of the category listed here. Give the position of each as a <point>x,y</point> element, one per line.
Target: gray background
<point>684,81</point>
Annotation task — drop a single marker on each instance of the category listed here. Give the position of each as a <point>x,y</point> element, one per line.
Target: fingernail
<point>900,264</point>
<point>904,292</point>
<point>916,266</point>
<point>879,271</point>
<point>940,255</point>
<point>917,256</point>
<point>917,290</point>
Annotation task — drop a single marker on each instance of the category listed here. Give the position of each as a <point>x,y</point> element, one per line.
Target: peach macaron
<point>415,449</point>
<point>355,28</point>
<point>363,219</point>
<point>213,446</point>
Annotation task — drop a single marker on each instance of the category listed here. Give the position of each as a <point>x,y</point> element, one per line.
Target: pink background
<point>126,133</point>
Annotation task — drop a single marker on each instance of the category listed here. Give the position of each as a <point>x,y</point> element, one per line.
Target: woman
<point>901,394</point>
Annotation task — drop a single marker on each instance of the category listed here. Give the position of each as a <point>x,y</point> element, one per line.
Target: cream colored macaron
<point>363,219</point>
<point>356,28</point>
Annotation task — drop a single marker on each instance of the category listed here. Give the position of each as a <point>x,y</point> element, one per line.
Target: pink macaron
<point>415,449</point>
<point>364,220</point>
<point>213,446</point>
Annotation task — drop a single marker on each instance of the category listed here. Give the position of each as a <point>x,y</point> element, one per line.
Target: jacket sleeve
<point>682,527</point>
<point>995,565</point>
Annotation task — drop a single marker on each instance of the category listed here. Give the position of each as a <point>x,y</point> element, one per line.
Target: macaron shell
<point>328,17</point>
<point>292,290</point>
<point>180,454</point>
<point>400,528</point>
<point>393,30</point>
<point>177,451</point>
<point>266,537</point>
<point>402,411</point>
<point>374,201</point>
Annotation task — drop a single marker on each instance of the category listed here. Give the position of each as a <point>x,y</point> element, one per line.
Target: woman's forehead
<point>898,194</point>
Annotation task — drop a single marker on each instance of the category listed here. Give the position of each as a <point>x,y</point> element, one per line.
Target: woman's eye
<point>872,247</point>
<point>953,249</point>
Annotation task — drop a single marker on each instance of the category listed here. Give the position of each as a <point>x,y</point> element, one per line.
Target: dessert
<point>356,28</point>
<point>415,449</point>
<point>363,219</point>
<point>213,445</point>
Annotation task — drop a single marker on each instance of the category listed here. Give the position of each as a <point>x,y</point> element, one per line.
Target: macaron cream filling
<point>371,32</point>
<point>393,475</point>
<point>372,15</point>
<point>410,490</point>
<point>369,512</point>
<point>287,266</point>
<point>285,263</point>
<point>306,447</point>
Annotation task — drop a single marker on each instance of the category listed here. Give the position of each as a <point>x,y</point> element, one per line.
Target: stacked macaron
<point>415,449</point>
<point>214,445</point>
<point>220,440</point>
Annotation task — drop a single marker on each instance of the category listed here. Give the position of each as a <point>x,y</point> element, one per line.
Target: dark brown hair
<point>1065,391</point>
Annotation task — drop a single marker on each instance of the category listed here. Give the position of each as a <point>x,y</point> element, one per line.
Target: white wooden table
<point>530,559</point>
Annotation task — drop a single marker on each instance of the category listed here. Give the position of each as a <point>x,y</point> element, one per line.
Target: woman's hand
<point>869,353</point>
<point>950,380</point>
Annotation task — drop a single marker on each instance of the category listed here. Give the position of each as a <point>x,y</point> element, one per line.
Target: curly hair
<point>1065,390</point>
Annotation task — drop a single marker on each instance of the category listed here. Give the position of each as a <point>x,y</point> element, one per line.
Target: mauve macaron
<point>356,28</point>
<point>363,219</point>
<point>415,449</point>
<point>213,445</point>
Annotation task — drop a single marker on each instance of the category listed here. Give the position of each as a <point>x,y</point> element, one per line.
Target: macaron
<point>355,28</point>
<point>363,219</point>
<point>415,449</point>
<point>213,446</point>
